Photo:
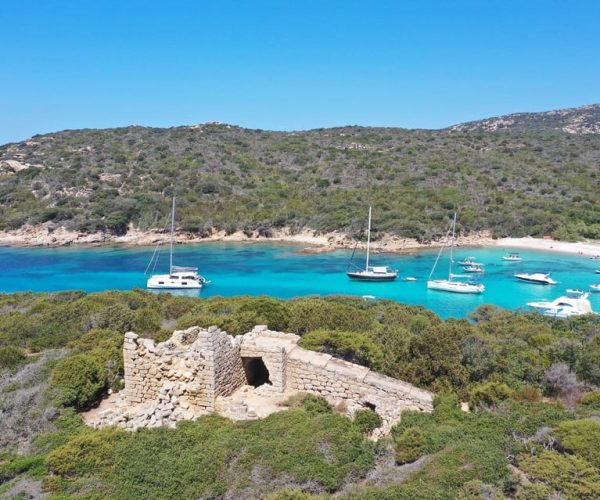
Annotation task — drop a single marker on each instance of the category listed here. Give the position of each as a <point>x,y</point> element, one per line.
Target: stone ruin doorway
<point>256,371</point>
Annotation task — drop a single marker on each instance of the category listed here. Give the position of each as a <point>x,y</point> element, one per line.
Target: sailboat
<point>179,277</point>
<point>372,273</point>
<point>450,285</point>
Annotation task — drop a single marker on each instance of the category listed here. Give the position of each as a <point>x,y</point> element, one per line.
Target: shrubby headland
<point>531,383</point>
<point>524,174</point>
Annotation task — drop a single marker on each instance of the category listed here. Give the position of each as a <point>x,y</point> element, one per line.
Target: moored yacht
<point>474,268</point>
<point>512,257</point>
<point>451,284</point>
<point>564,307</point>
<point>595,288</point>
<point>469,261</point>
<point>371,273</point>
<point>179,278</point>
<point>537,278</point>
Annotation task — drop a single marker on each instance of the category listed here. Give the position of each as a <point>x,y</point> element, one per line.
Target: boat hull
<point>165,283</point>
<point>455,287</point>
<point>362,276</point>
<point>535,281</point>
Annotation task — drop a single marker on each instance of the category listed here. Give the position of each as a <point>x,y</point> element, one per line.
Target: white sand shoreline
<point>45,236</point>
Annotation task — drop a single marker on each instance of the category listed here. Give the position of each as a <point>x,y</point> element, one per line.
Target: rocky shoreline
<point>46,236</point>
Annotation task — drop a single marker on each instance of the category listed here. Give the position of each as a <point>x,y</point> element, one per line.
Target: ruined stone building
<point>200,371</point>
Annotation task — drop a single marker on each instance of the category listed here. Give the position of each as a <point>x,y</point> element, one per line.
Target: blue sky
<point>292,64</point>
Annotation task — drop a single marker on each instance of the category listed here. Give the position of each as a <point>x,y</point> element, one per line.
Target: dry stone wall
<point>182,377</point>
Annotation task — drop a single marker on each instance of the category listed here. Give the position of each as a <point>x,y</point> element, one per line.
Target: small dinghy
<point>409,278</point>
<point>595,288</point>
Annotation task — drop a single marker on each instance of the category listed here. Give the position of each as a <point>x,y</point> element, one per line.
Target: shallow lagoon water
<point>280,270</point>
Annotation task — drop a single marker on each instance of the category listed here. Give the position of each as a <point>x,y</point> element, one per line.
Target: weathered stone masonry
<point>183,377</point>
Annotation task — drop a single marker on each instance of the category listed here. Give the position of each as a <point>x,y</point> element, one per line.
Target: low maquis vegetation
<point>527,179</point>
<point>531,383</point>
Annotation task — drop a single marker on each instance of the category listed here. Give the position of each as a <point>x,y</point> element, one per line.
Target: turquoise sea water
<point>280,270</point>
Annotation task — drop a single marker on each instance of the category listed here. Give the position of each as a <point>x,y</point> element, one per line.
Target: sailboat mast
<point>172,235</point>
<point>368,241</point>
<point>452,248</point>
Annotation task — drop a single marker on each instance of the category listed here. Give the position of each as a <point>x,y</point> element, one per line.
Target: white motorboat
<point>179,278</point>
<point>474,268</point>
<point>451,284</point>
<point>371,273</point>
<point>595,288</point>
<point>595,257</point>
<point>537,278</point>
<point>409,278</point>
<point>512,257</point>
<point>575,292</point>
<point>564,307</point>
<point>469,261</point>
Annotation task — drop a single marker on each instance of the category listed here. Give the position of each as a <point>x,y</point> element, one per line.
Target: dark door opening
<point>256,371</point>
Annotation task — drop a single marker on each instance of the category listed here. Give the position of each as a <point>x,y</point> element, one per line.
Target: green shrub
<point>78,380</point>
<point>569,474</point>
<point>367,420</point>
<point>146,320</point>
<point>309,402</point>
<point>591,400</point>
<point>350,346</point>
<point>489,394</point>
<point>86,453</point>
<point>534,491</point>
<point>11,357</point>
<point>271,312</point>
<point>582,438</point>
<point>312,314</point>
<point>289,494</point>
<point>408,446</point>
<point>528,393</point>
<point>34,465</point>
<point>115,317</point>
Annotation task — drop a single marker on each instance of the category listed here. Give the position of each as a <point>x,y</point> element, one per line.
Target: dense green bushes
<point>405,342</point>
<point>78,381</point>
<point>212,456</point>
<point>367,420</point>
<point>11,357</point>
<point>350,346</point>
<point>227,178</point>
<point>501,362</point>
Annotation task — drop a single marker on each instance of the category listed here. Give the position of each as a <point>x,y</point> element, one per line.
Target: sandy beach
<point>46,236</point>
<point>588,248</point>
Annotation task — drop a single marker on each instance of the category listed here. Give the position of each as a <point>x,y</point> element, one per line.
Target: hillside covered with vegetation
<point>525,174</point>
<point>532,384</point>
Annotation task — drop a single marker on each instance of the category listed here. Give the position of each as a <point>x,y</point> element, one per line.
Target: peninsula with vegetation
<point>502,405</point>
<point>527,174</point>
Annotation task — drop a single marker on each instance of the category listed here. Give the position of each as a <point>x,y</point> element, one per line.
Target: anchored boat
<point>371,273</point>
<point>564,307</point>
<point>512,257</point>
<point>179,277</point>
<point>451,284</point>
<point>536,278</point>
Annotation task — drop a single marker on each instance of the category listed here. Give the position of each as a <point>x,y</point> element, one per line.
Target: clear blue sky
<point>290,64</point>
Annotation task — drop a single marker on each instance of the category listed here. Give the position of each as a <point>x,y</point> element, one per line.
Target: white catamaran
<point>450,284</point>
<point>372,273</point>
<point>179,278</point>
